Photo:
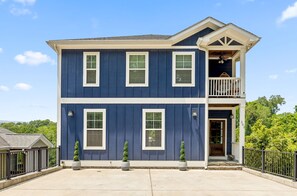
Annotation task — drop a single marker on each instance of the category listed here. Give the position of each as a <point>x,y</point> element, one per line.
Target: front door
<point>217,138</point>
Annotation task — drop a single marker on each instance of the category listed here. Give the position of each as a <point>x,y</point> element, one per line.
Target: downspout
<point>206,134</point>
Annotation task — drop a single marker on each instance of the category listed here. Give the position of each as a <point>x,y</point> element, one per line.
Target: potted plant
<point>182,163</point>
<point>125,162</point>
<point>76,162</point>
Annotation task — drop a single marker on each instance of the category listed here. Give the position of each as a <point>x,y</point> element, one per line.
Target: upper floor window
<point>94,129</point>
<point>137,69</point>
<point>183,69</point>
<point>91,69</point>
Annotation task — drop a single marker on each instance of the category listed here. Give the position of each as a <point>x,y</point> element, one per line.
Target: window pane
<point>90,115</point>
<point>91,61</point>
<point>133,58</point>
<point>94,137</point>
<point>98,124</point>
<point>187,64</point>
<point>187,57</point>
<point>141,58</point>
<point>133,65</point>
<point>179,58</point>
<point>149,116</point>
<point>98,115</point>
<point>179,65</point>
<point>158,124</point>
<point>157,116</point>
<point>153,138</point>
<point>137,76</point>
<point>90,124</point>
<point>183,76</point>
<point>149,124</point>
<point>91,76</point>
<point>141,65</point>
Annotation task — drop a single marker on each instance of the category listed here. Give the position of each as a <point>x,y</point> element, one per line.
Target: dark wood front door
<point>217,138</point>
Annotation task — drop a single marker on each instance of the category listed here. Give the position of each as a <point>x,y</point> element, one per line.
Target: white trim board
<point>140,163</point>
<point>135,100</point>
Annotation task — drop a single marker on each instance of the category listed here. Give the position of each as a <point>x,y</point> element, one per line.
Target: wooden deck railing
<point>224,87</point>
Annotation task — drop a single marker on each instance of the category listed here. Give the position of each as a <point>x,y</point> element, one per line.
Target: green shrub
<point>182,155</point>
<point>125,152</point>
<point>76,151</point>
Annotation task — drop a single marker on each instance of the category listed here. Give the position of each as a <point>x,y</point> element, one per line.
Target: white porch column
<point>241,129</point>
<point>206,138</point>
<point>234,125</point>
<point>242,71</point>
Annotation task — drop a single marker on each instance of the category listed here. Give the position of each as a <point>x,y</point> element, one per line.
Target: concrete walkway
<point>148,182</point>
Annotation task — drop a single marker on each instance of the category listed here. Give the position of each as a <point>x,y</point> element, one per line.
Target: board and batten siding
<point>113,75</point>
<point>124,122</point>
<point>192,40</point>
<point>224,114</point>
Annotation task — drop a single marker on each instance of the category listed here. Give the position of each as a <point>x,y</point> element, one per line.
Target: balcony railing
<point>224,87</point>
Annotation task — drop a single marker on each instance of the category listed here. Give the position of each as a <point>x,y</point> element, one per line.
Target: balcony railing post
<point>59,155</point>
<point>46,158</point>
<point>242,155</point>
<point>295,166</point>
<point>39,159</point>
<point>8,174</point>
<point>263,160</point>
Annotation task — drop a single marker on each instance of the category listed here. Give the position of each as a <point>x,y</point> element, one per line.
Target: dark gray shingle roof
<point>130,37</point>
<point>6,131</point>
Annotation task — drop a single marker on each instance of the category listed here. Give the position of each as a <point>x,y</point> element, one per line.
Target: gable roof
<point>11,140</point>
<point>139,41</point>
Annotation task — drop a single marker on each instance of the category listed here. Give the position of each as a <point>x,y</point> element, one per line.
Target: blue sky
<point>28,65</point>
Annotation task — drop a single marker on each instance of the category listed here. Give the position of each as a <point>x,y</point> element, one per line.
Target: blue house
<point>154,91</point>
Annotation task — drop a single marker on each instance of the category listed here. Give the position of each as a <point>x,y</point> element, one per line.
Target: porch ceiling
<point>222,105</point>
<point>226,54</point>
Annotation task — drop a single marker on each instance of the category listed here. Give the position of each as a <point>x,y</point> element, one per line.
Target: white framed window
<point>94,129</point>
<point>137,67</point>
<point>91,65</point>
<point>183,69</point>
<point>153,129</point>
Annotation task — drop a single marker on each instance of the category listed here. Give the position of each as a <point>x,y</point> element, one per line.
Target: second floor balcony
<point>224,87</point>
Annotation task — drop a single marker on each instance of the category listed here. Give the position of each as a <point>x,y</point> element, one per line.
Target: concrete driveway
<point>149,182</point>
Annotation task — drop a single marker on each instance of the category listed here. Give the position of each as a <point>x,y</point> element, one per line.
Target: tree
<point>295,109</point>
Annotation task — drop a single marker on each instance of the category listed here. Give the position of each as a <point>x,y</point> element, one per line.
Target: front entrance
<point>217,137</point>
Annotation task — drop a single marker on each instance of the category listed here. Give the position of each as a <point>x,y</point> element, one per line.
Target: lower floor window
<point>153,130</point>
<point>94,129</point>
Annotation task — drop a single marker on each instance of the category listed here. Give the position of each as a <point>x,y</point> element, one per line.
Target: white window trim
<point>85,84</point>
<point>103,147</point>
<point>144,147</point>
<point>146,69</point>
<point>174,84</point>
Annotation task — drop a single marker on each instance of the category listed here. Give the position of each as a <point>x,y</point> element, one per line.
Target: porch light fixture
<point>70,113</point>
<point>194,114</point>
<point>221,60</point>
<point>231,116</point>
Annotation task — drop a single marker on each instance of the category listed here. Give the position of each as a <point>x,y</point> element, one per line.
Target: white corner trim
<point>144,147</point>
<point>146,69</point>
<point>103,147</point>
<point>59,90</point>
<point>135,100</point>
<point>85,84</point>
<point>174,84</point>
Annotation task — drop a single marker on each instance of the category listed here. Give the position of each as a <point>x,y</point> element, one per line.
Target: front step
<point>225,167</point>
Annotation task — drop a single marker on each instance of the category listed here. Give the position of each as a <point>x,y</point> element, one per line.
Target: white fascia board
<point>135,100</point>
<point>226,101</point>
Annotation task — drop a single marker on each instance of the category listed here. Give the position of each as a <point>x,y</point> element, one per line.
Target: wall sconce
<point>194,113</point>
<point>231,116</point>
<point>70,113</point>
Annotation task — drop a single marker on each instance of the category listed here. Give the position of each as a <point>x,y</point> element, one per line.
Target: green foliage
<point>295,109</point>
<point>182,155</point>
<point>125,152</point>
<point>76,151</point>
<point>45,127</point>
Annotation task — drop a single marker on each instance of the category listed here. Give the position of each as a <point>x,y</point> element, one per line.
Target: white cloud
<point>290,12</point>
<point>3,88</point>
<point>273,76</point>
<point>291,70</point>
<point>26,2</point>
<point>23,86</point>
<point>33,58</point>
<point>1,50</point>
<point>20,11</point>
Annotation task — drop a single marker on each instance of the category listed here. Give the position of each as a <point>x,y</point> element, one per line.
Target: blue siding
<point>224,114</point>
<point>191,41</point>
<point>124,122</point>
<point>216,69</point>
<point>113,75</point>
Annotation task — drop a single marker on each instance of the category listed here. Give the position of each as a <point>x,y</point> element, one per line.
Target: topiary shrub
<point>125,152</point>
<point>76,151</point>
<point>182,155</point>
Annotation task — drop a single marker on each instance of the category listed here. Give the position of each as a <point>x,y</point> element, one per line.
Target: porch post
<point>206,138</point>
<point>242,71</point>
<point>241,130</point>
<point>233,67</point>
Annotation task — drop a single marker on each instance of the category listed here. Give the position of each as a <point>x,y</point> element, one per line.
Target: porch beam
<point>241,130</point>
<point>242,71</point>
